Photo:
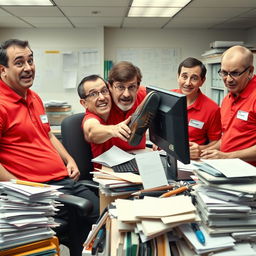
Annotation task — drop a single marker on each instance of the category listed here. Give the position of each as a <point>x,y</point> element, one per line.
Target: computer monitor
<point>169,129</point>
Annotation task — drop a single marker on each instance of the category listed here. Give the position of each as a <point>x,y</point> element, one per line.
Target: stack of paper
<point>25,213</point>
<point>226,203</point>
<point>155,216</point>
<point>114,184</point>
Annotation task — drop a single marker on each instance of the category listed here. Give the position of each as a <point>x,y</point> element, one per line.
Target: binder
<point>50,245</point>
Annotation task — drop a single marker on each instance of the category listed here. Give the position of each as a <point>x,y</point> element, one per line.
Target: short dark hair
<point>80,87</point>
<point>191,62</point>
<point>124,71</point>
<point>6,44</point>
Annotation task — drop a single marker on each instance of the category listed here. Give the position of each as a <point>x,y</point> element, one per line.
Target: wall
<point>192,42</point>
<point>59,39</point>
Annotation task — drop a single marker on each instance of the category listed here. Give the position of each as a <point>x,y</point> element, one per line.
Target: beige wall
<point>192,43</point>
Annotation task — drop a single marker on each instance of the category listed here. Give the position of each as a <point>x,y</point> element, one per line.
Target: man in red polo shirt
<point>29,151</point>
<point>112,129</point>
<point>204,126</point>
<point>238,109</point>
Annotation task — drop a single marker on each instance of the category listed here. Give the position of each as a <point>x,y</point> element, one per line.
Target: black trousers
<point>84,224</point>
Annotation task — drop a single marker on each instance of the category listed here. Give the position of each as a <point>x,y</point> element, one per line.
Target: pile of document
<point>26,213</point>
<point>142,225</point>
<point>226,201</point>
<point>116,184</point>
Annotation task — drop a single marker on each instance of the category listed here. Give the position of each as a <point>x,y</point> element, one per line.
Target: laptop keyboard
<point>130,166</point>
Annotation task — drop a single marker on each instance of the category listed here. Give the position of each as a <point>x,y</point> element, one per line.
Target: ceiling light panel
<point>152,12</point>
<point>25,2</point>
<point>160,3</point>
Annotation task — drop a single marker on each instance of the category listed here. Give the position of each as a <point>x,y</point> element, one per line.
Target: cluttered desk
<point>156,212</point>
<point>214,216</point>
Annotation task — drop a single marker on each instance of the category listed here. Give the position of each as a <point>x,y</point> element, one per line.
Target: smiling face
<point>97,98</point>
<point>190,81</point>
<point>20,72</point>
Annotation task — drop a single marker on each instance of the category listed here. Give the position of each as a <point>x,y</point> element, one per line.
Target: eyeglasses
<point>95,94</point>
<point>122,88</point>
<point>233,74</point>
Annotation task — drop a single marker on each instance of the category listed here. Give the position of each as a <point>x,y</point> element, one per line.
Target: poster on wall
<point>158,65</point>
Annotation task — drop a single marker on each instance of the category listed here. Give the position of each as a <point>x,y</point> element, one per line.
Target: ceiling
<point>198,14</point>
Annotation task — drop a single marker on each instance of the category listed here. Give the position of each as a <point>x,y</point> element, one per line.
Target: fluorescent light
<point>152,12</point>
<point>25,2</point>
<point>160,3</point>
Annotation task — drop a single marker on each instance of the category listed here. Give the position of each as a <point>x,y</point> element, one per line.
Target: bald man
<point>238,109</point>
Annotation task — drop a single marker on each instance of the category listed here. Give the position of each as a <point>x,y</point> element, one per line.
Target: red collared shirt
<point>25,148</point>
<point>117,115</point>
<point>97,149</point>
<point>238,117</point>
<point>204,123</point>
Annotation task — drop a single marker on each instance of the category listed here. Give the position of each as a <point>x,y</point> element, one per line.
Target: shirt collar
<point>12,96</point>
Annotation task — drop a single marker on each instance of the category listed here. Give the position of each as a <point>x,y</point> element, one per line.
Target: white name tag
<point>44,119</point>
<point>242,115</point>
<point>195,123</point>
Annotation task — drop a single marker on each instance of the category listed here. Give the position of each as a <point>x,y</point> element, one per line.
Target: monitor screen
<point>169,129</point>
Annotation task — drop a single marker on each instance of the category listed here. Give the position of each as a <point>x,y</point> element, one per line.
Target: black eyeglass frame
<point>233,74</point>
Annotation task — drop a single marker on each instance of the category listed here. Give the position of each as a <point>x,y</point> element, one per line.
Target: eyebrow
<point>22,57</point>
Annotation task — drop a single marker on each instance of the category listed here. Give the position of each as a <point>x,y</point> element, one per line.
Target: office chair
<point>74,142</point>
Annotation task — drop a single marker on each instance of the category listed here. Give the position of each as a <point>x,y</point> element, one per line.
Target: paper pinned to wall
<point>158,65</point>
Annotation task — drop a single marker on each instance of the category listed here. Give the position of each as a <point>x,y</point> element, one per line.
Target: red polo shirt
<point>25,148</point>
<point>204,123</point>
<point>238,117</point>
<point>97,149</point>
<point>117,115</point>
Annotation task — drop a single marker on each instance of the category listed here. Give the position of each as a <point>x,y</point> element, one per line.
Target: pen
<point>166,187</point>
<point>174,192</point>
<point>198,232</point>
<point>29,183</point>
<point>152,193</point>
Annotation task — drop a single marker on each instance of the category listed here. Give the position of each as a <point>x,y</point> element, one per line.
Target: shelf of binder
<point>107,66</point>
<point>56,114</point>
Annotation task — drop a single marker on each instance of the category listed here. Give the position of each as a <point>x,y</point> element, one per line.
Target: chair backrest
<point>74,142</point>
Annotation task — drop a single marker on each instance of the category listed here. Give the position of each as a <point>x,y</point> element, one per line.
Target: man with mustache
<point>238,108</point>
<point>29,151</point>
<point>204,125</point>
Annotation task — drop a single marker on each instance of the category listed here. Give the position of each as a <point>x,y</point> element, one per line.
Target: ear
<point>2,70</point>
<point>203,80</point>
<point>83,102</point>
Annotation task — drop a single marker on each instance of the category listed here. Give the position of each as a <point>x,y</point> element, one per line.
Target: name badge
<point>44,119</point>
<point>195,123</point>
<point>242,115</point>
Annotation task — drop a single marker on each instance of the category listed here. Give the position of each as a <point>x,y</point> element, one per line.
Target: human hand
<point>72,169</point>
<point>122,130</point>
<point>194,150</point>
<point>213,154</point>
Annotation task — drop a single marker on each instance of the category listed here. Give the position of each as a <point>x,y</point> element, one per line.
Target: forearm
<point>5,175</point>
<point>248,154</point>
<point>210,145</point>
<point>214,145</point>
<point>100,133</point>
<point>60,148</point>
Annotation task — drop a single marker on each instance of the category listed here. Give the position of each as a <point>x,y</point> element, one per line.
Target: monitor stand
<point>171,168</point>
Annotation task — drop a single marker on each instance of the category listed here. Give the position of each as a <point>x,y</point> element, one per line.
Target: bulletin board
<point>59,70</point>
<point>158,65</point>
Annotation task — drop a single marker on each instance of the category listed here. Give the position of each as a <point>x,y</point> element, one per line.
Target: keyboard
<point>130,166</point>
